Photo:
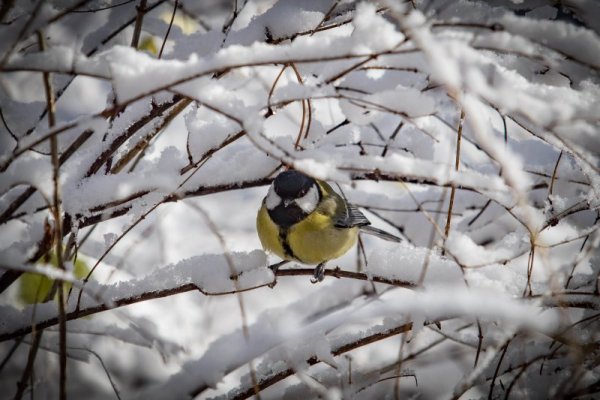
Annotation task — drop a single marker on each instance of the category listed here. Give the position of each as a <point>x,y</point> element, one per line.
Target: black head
<point>291,197</point>
<point>292,184</point>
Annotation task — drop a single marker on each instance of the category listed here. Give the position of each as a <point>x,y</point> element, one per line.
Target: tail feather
<point>380,233</point>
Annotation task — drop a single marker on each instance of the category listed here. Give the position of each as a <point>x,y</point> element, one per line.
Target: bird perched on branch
<point>305,220</point>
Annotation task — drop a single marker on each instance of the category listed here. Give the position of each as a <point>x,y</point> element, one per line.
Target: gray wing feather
<point>351,217</point>
<point>380,233</point>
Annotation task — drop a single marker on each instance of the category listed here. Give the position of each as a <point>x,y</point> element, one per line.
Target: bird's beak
<point>287,202</point>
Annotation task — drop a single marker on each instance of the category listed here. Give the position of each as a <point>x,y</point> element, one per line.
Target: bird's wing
<point>380,234</point>
<point>351,217</point>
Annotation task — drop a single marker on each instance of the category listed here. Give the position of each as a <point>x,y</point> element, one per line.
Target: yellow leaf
<point>34,288</point>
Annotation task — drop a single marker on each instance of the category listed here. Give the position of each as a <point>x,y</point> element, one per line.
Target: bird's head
<point>291,197</point>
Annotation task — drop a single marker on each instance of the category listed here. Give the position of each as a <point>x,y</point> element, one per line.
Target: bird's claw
<point>275,267</point>
<point>319,273</point>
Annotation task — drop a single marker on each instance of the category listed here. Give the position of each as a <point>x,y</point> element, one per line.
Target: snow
<point>565,38</point>
<point>368,97</point>
<point>210,274</point>
<point>35,171</point>
<point>207,135</point>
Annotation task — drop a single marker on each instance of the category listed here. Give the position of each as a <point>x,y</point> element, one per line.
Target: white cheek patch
<point>273,199</point>
<point>308,203</point>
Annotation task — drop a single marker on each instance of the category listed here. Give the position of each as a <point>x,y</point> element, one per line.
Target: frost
<point>468,129</point>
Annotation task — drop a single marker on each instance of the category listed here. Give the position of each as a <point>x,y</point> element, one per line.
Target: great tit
<point>305,220</point>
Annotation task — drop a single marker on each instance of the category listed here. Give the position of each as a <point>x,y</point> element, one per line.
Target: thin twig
<point>156,110</point>
<point>554,174</point>
<point>27,371</point>
<point>230,263</point>
<point>137,29</point>
<point>392,138</point>
<point>23,197</point>
<point>272,89</point>
<point>11,351</point>
<point>485,206</point>
<point>399,368</point>
<point>10,132</point>
<point>56,210</point>
<point>530,269</point>
<point>140,147</point>
<point>110,380</point>
<point>491,392</point>
<point>341,349</point>
<point>94,10</point>
<point>580,256</point>
<point>162,47</point>
<point>326,16</point>
<point>305,104</point>
<point>456,165</point>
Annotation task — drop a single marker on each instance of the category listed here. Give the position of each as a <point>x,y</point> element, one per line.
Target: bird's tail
<point>379,233</point>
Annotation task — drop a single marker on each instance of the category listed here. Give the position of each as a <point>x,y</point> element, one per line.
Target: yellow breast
<point>268,233</point>
<point>315,239</point>
<point>312,240</point>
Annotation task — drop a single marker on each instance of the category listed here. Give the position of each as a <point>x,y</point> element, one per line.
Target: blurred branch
<point>22,32</point>
<point>110,380</point>
<point>275,377</point>
<point>139,18</point>
<point>58,233</point>
<point>162,47</point>
<point>5,8</point>
<point>23,382</point>
<point>456,165</point>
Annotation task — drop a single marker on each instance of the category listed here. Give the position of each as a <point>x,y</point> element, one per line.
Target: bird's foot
<point>319,273</point>
<point>275,268</point>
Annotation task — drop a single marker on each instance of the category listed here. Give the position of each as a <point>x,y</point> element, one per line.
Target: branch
<point>139,18</point>
<point>341,349</point>
<point>187,287</point>
<point>156,111</point>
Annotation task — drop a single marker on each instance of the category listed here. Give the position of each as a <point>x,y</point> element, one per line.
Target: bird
<point>303,219</point>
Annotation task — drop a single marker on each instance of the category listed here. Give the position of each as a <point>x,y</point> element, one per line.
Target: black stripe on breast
<point>287,249</point>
